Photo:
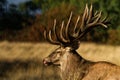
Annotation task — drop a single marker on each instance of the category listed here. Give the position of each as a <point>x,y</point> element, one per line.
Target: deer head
<point>69,41</point>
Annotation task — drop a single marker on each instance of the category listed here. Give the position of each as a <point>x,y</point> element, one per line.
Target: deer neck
<point>69,59</point>
<point>70,62</point>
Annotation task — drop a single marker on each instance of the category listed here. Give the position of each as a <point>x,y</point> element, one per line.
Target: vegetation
<point>12,18</point>
<point>23,61</point>
<point>20,18</point>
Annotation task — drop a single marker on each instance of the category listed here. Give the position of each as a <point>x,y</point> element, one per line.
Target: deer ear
<point>75,45</point>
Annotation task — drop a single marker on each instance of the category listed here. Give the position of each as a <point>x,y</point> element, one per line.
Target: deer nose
<point>46,62</point>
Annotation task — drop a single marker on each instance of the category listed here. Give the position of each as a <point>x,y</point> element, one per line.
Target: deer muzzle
<point>46,62</point>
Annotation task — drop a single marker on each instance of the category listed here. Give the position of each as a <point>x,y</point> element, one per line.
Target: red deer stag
<point>72,65</point>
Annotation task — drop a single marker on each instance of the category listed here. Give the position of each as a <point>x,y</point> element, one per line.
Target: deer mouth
<point>48,63</point>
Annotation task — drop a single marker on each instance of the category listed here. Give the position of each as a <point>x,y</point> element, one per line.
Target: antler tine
<point>90,14</point>
<point>102,24</point>
<point>51,40</point>
<point>96,15</point>
<point>87,12</point>
<point>76,23</point>
<point>96,12</point>
<point>61,33</point>
<point>84,17</point>
<point>54,28</point>
<point>66,30</point>
<point>75,34</point>
<point>104,19</point>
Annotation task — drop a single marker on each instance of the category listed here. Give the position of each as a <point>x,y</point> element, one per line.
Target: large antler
<point>89,20</point>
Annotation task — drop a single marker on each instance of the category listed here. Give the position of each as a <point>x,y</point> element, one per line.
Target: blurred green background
<point>26,21</point>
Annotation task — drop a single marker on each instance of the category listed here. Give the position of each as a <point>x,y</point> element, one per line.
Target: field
<point>23,61</point>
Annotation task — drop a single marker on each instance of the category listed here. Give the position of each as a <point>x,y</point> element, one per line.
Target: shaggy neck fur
<point>71,63</point>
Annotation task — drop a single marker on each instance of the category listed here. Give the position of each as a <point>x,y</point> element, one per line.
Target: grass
<point>23,61</point>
